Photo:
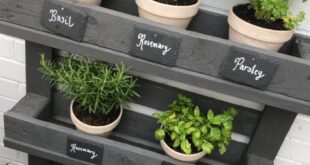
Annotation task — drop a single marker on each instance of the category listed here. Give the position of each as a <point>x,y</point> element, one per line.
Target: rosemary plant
<point>98,87</point>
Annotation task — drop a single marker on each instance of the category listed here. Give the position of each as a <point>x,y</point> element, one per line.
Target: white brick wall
<point>296,147</point>
<point>12,88</point>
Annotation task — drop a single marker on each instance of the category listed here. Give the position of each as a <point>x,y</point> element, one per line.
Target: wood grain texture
<point>269,136</point>
<point>244,124</point>
<point>198,52</point>
<point>176,77</point>
<point>132,141</point>
<point>38,138</point>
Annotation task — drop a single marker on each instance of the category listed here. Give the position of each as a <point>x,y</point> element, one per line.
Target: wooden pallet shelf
<point>41,116</point>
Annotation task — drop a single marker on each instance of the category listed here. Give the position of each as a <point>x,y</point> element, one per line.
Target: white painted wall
<point>294,151</point>
<point>12,88</point>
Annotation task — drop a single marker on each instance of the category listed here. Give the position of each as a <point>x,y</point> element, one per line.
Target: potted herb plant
<point>97,90</point>
<point>266,24</point>
<point>171,12</point>
<point>187,135</point>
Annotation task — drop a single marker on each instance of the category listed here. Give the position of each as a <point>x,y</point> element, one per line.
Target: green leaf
<point>190,117</point>
<point>231,112</point>
<point>210,115</point>
<point>197,134</point>
<point>188,124</point>
<point>222,148</point>
<point>172,116</point>
<point>190,130</point>
<point>214,134</point>
<point>176,143</point>
<point>173,136</point>
<point>181,123</point>
<point>226,133</point>
<point>197,124</point>
<point>228,125</point>
<point>159,134</point>
<point>218,119</point>
<point>176,129</point>
<point>204,129</point>
<point>207,147</point>
<point>197,142</point>
<point>186,146</point>
<point>197,111</point>
<point>185,110</point>
<point>183,136</point>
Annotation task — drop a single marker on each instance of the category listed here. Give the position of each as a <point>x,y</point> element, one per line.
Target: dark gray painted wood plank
<point>34,81</point>
<point>33,160</point>
<point>41,152</point>
<point>159,97</point>
<point>210,23</point>
<point>38,138</point>
<point>31,105</point>
<point>269,136</point>
<point>112,30</point>
<point>303,47</point>
<point>138,130</point>
<point>27,13</point>
<point>125,6</point>
<point>145,69</point>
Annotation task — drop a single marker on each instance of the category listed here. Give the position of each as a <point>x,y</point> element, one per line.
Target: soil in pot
<point>178,2</point>
<point>169,142</point>
<point>246,13</point>
<point>94,119</point>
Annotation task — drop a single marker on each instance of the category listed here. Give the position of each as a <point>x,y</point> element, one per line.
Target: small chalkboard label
<point>63,19</point>
<point>249,69</point>
<point>82,150</point>
<point>155,46</point>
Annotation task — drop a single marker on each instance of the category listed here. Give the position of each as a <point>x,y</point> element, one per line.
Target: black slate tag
<point>249,69</point>
<point>64,19</point>
<point>155,46</point>
<point>86,151</point>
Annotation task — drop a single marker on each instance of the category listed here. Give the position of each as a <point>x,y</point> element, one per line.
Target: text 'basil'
<point>63,19</point>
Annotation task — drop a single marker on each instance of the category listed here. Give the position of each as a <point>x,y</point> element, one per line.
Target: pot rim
<point>173,6</point>
<point>154,5</point>
<point>256,32</point>
<point>179,153</point>
<point>91,126</point>
<point>232,13</point>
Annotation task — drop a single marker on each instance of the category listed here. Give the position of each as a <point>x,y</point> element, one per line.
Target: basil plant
<point>188,128</point>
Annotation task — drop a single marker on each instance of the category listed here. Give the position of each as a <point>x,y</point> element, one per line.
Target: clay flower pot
<point>246,33</point>
<point>178,16</point>
<point>92,2</point>
<point>180,156</point>
<point>95,130</point>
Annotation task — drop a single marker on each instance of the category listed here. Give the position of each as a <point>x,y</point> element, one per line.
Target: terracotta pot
<point>246,33</point>
<point>95,130</point>
<point>178,16</point>
<point>180,156</point>
<point>92,2</point>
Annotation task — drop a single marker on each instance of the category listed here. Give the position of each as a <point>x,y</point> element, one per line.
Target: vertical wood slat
<point>269,136</point>
<point>34,81</point>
